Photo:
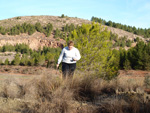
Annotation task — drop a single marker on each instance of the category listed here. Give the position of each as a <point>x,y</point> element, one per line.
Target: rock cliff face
<point>34,41</point>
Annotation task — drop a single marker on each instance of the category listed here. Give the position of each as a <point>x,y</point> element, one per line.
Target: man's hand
<point>74,59</point>
<point>57,66</point>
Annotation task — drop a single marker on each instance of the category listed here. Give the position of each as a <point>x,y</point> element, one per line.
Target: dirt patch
<point>134,73</point>
<point>26,70</point>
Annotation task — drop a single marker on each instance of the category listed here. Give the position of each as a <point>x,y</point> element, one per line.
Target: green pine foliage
<point>128,43</point>
<point>22,48</point>
<point>57,32</point>
<point>16,60</point>
<point>7,47</point>
<point>28,57</point>
<point>31,29</point>
<point>2,30</point>
<point>50,58</point>
<point>120,42</point>
<point>136,57</point>
<point>116,55</point>
<point>27,28</point>
<point>68,28</point>
<point>31,62</point>
<point>62,16</point>
<point>24,60</point>
<point>38,27</point>
<point>40,60</point>
<point>6,62</point>
<point>92,42</point>
<point>137,39</point>
<point>48,29</point>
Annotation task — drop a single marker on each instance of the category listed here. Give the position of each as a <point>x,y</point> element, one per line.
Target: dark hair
<point>70,43</point>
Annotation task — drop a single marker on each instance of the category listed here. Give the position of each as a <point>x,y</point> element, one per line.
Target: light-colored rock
<point>35,41</point>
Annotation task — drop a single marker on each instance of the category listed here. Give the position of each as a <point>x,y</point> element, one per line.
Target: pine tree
<point>62,16</point>
<point>6,62</point>
<point>126,64</point>
<point>17,59</point>
<point>48,29</point>
<point>31,30</point>
<point>31,62</point>
<point>40,60</point>
<point>24,60</point>
<point>38,27</point>
<point>128,43</point>
<point>57,33</point>
<point>95,49</point>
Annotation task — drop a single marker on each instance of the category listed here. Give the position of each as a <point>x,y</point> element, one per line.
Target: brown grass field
<point>41,90</point>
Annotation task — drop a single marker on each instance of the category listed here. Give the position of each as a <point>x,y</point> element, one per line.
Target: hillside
<point>56,21</point>
<point>34,41</point>
<point>37,39</point>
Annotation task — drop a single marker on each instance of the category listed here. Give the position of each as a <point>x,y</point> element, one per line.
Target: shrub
<point>16,60</point>
<point>62,16</point>
<point>147,81</point>
<point>6,62</point>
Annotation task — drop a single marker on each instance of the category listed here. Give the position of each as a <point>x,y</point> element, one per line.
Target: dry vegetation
<point>27,70</point>
<point>82,94</point>
<point>56,21</point>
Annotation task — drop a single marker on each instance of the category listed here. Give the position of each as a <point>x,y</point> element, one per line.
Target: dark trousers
<point>68,69</point>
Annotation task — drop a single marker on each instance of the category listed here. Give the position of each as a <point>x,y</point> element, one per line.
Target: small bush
<point>147,81</point>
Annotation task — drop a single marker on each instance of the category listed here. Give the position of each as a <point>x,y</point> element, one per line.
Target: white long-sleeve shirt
<point>67,55</point>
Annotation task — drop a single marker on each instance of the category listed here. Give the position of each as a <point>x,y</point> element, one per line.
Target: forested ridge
<point>138,31</point>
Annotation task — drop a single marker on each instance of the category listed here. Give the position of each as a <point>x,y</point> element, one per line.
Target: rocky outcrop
<point>35,41</point>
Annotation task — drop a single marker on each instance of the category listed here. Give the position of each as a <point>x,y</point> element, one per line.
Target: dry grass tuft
<point>81,94</point>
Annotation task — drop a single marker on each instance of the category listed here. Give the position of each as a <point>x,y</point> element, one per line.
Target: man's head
<point>70,45</point>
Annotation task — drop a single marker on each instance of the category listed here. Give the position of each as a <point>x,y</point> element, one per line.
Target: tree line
<point>65,31</point>
<point>122,41</point>
<point>30,29</point>
<point>27,28</point>
<point>138,31</point>
<point>134,58</point>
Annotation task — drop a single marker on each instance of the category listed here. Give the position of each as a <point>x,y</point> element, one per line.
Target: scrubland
<point>84,93</point>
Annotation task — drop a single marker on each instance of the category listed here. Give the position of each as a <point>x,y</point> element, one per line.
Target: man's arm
<point>60,58</point>
<point>77,55</point>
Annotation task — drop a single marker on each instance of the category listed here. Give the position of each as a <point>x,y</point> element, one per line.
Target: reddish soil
<point>38,70</point>
<point>27,70</point>
<point>134,73</point>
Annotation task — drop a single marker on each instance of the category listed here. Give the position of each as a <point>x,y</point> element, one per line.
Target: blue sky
<point>130,12</point>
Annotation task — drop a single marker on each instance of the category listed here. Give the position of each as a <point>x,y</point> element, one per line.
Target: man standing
<point>69,56</point>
